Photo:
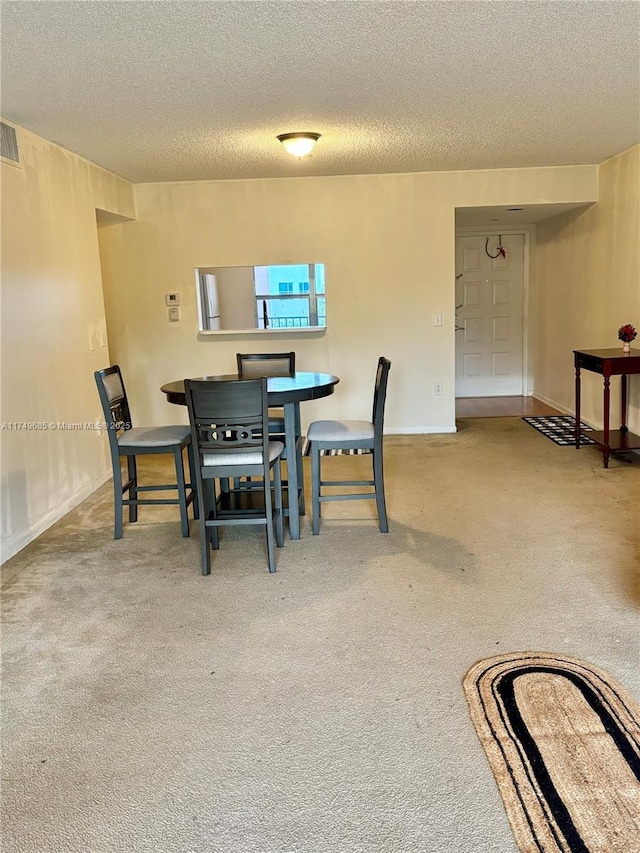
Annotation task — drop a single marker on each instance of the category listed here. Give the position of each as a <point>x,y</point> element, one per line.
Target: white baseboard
<point>17,541</point>
<point>421,430</point>
<point>553,403</point>
<point>417,430</point>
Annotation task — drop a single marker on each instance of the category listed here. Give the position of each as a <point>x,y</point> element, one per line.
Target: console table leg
<point>577,424</point>
<point>607,402</point>
<point>623,403</point>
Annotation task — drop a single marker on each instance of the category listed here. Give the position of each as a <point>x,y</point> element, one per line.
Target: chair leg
<point>192,480</point>
<point>268,507</point>
<point>205,552</point>
<point>205,536</point>
<point>299,458</point>
<point>133,489</point>
<point>315,487</point>
<point>210,507</point>
<point>182,491</point>
<point>117,499</point>
<point>378,478</point>
<point>277,482</point>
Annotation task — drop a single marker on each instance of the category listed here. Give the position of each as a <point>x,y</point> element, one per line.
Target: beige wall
<point>388,245</point>
<point>52,304</point>
<point>588,285</point>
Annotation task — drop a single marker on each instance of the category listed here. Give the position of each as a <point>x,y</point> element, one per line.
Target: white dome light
<point>299,144</point>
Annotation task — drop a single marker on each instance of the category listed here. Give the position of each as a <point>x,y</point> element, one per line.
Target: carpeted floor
<point>320,709</point>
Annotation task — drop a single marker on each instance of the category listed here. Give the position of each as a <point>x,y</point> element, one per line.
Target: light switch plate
<point>174,314</point>
<point>101,334</point>
<point>91,337</point>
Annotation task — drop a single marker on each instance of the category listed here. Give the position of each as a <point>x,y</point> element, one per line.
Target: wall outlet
<point>437,389</point>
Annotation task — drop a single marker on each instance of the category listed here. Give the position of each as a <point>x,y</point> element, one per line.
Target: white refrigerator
<point>210,302</point>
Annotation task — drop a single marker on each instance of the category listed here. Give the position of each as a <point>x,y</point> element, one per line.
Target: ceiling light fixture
<point>299,144</point>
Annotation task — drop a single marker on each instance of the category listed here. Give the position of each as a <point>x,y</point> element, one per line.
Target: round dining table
<point>288,392</point>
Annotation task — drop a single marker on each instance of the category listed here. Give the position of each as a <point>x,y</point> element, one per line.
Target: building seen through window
<point>289,296</point>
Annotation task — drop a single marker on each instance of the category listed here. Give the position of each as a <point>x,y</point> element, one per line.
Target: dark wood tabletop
<point>280,389</point>
<point>611,362</point>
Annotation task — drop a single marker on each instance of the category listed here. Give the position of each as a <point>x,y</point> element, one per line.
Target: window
<point>278,296</point>
<point>290,303</point>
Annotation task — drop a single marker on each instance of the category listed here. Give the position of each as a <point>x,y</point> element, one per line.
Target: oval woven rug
<point>563,742</point>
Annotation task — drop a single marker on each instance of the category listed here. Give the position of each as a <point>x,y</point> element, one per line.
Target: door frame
<point>528,291</point>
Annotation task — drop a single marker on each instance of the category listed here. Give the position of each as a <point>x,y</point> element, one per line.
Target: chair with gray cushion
<point>257,364</point>
<point>254,365</point>
<point>230,436</point>
<point>128,441</point>
<point>352,435</point>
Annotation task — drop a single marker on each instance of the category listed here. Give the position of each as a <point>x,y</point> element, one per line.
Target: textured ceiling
<point>165,91</point>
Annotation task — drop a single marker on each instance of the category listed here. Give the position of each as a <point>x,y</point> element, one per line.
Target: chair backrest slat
<point>113,397</point>
<point>227,416</point>
<point>380,393</point>
<point>258,364</point>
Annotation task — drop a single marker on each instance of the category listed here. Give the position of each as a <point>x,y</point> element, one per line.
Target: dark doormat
<point>560,428</point>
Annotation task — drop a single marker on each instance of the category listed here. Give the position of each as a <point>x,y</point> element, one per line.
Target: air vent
<point>9,143</point>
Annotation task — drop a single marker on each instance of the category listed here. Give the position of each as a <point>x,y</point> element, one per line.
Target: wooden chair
<point>258,364</point>
<point>352,435</point>
<point>131,442</point>
<point>230,436</point>
<point>254,365</point>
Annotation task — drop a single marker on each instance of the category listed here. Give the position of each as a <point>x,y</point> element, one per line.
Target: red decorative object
<point>501,253</point>
<point>627,333</point>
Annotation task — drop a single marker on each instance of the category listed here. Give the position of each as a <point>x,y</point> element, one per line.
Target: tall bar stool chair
<point>131,442</point>
<point>255,365</point>
<point>230,436</point>
<point>352,435</point>
<point>258,364</point>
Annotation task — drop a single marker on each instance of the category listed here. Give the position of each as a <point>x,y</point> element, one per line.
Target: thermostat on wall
<point>171,299</point>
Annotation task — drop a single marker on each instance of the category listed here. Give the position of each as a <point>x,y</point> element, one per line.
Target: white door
<point>489,317</point>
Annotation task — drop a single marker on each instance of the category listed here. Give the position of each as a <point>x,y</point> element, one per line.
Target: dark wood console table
<point>608,363</point>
